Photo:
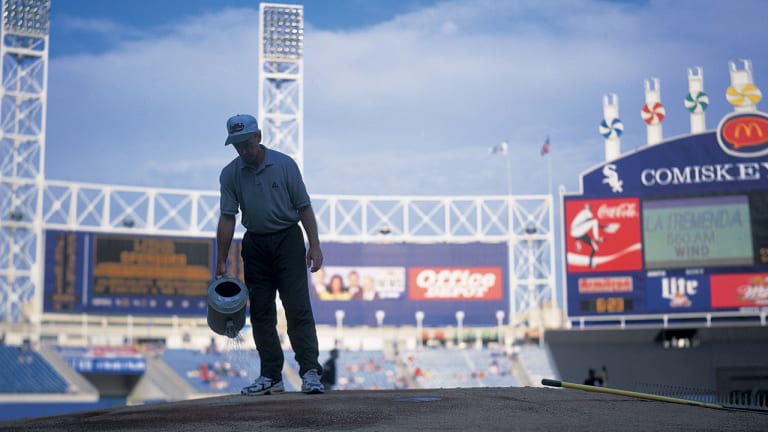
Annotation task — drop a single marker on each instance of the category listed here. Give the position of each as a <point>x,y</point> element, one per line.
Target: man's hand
<point>314,258</point>
<point>221,270</point>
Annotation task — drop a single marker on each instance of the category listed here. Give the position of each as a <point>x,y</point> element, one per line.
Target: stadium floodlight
<point>26,16</point>
<point>339,325</point>
<point>16,216</point>
<point>460,327</point>
<point>500,323</point>
<point>283,32</point>
<point>530,228</point>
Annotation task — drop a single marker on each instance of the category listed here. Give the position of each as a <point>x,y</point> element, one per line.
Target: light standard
<point>500,321</point>
<point>339,320</point>
<point>460,328</point>
<point>533,306</point>
<point>419,320</point>
<point>380,321</point>
<point>503,149</point>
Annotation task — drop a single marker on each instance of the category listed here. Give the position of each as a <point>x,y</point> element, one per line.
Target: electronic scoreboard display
<point>115,273</point>
<point>697,232</point>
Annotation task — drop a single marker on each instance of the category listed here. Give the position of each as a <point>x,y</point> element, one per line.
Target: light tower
<point>281,78</point>
<point>24,53</point>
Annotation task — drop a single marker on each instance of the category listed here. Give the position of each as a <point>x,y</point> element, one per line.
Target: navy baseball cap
<point>240,127</point>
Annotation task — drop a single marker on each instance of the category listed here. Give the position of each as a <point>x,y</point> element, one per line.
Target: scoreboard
<point>676,228</point>
<point>131,274</point>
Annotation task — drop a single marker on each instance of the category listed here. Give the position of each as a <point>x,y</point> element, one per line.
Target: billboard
<point>152,275</point>
<point>126,274</point>
<point>603,235</point>
<point>677,227</point>
<point>401,279</point>
<point>118,360</point>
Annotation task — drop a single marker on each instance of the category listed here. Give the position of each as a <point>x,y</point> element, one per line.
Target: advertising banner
<point>603,235</point>
<point>740,290</point>
<point>454,283</point>
<point>677,292</point>
<point>359,283</point>
<point>118,360</point>
<point>401,279</point>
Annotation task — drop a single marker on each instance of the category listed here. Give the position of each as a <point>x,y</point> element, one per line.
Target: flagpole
<point>503,149</point>
<point>509,173</point>
<point>549,174</point>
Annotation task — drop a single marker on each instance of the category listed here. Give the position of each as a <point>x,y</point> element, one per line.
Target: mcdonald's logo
<point>744,135</point>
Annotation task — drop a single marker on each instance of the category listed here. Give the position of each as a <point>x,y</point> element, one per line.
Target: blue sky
<point>401,97</point>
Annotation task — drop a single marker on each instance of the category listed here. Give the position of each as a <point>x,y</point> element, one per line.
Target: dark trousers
<point>277,263</point>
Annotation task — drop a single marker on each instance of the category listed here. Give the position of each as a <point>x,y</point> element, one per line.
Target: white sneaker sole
<point>269,391</point>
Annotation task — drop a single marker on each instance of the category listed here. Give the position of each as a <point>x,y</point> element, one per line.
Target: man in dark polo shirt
<point>267,187</point>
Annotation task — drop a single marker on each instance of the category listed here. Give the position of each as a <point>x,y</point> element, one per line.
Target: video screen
<point>697,232</point>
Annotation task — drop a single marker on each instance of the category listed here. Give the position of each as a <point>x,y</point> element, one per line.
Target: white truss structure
<point>24,56</point>
<point>29,204</point>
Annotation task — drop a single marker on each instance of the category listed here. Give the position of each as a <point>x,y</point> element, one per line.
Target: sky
<point>402,97</point>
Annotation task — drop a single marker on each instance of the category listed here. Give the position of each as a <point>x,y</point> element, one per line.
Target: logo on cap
<point>236,127</point>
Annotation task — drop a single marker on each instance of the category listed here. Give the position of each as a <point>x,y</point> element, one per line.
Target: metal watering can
<point>226,306</point>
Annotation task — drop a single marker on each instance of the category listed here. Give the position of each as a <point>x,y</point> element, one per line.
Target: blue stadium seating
<point>538,362</point>
<point>227,372</point>
<point>453,368</point>
<point>366,370</point>
<point>25,371</point>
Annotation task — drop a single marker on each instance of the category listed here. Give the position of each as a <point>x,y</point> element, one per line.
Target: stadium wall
<point>721,359</point>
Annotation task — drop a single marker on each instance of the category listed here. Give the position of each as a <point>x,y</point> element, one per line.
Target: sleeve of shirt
<point>228,204</point>
<point>299,196</point>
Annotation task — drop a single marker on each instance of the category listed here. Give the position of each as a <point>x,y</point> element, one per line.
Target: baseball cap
<point>240,127</point>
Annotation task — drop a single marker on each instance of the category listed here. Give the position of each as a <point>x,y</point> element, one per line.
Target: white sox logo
<point>612,178</point>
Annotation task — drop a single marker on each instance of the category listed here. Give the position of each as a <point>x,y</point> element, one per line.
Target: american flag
<point>545,147</point>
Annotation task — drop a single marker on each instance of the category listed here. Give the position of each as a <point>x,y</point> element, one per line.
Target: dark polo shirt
<point>269,196</point>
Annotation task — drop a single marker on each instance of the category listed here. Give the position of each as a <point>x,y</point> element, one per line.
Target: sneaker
<point>263,386</point>
<point>310,383</point>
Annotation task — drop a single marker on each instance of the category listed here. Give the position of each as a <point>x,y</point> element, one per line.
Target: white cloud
<point>408,106</point>
<point>89,25</point>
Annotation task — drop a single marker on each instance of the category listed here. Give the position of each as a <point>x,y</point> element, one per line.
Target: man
<point>581,225</point>
<point>267,187</point>
<point>593,379</point>
<point>329,370</point>
<point>354,288</point>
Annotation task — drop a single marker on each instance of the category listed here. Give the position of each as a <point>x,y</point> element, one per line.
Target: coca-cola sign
<point>603,235</point>
<point>624,210</point>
